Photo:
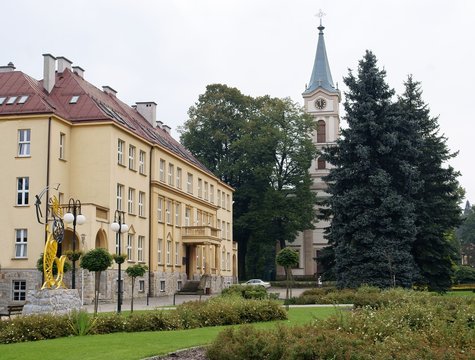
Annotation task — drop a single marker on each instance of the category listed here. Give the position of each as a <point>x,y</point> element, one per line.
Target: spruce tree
<point>371,185</point>
<point>437,200</point>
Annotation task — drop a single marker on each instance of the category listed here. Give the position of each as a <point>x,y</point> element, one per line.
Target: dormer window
<point>2,99</point>
<point>74,99</point>
<point>23,99</point>
<point>11,100</point>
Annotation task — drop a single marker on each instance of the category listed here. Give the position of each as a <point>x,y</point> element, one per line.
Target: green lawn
<point>125,346</point>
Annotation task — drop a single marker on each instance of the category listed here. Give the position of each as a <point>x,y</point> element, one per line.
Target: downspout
<point>150,222</point>
<point>48,153</point>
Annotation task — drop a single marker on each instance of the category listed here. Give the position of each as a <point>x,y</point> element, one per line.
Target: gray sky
<point>168,51</point>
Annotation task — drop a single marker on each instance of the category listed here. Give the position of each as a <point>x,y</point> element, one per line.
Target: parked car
<point>257,282</point>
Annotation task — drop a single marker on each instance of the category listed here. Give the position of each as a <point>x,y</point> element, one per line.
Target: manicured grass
<point>125,346</point>
<point>461,293</point>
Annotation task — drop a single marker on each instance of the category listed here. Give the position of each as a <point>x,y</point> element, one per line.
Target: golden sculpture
<point>51,248</point>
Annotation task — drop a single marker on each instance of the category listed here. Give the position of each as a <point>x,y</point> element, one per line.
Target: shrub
<point>464,275</point>
<point>402,325</point>
<point>34,327</point>
<point>246,291</point>
<point>81,323</point>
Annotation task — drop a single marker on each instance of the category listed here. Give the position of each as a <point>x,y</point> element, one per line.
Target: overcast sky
<point>168,51</point>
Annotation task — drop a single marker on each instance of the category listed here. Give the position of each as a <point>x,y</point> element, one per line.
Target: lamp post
<point>119,227</point>
<point>74,216</point>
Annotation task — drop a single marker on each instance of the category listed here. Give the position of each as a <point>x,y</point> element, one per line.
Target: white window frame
<point>142,158</point>
<point>162,286</point>
<point>211,193</point>
<point>142,286</point>
<point>159,250</point>
<point>24,142</point>
<point>21,243</point>
<point>132,152</point>
<point>206,196</point>
<point>168,212</point>
<point>160,209</point>
<point>162,170</point>
<point>200,188</point>
<point>120,151</point>
<point>130,247</point>
<point>178,178</point>
<point>140,246</point>
<point>62,146</point>
<point>119,196</point>
<point>171,172</point>
<point>141,204</point>
<point>23,191</point>
<point>219,198</point>
<point>131,201</point>
<point>187,216</point>
<point>169,250</point>
<point>189,183</point>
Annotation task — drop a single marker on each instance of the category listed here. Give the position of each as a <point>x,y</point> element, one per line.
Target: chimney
<point>148,109</point>
<point>166,128</point>
<point>49,75</point>
<point>109,90</point>
<point>79,70</point>
<point>9,67</point>
<point>63,64</point>
<point>159,124</point>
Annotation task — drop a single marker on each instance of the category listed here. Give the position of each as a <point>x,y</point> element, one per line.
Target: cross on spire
<point>320,14</point>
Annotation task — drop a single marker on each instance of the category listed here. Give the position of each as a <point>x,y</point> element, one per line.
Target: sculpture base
<point>52,301</point>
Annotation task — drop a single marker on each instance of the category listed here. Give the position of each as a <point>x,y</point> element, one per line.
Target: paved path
<point>164,301</point>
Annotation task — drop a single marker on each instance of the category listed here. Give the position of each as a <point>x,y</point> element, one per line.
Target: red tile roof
<point>93,105</point>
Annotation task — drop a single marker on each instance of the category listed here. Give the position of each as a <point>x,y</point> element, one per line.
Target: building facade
<point>64,137</point>
<point>322,101</point>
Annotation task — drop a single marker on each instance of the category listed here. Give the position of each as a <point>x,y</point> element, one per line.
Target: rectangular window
<point>24,142</point>
<point>228,260</point>
<point>131,201</point>
<point>162,170</point>
<point>120,152</point>
<point>130,247</point>
<point>142,158</point>
<point>219,198</point>
<point>223,200</point>
<point>11,100</point>
<point>178,178</point>
<point>120,194</point>
<point>189,183</point>
<point>171,174</point>
<point>223,260</point>
<point>131,157</point>
<point>200,188</point>
<point>187,216</point>
<point>160,210</point>
<point>21,242</point>
<point>141,203</point>
<point>169,212</point>
<point>177,214</point>
<point>177,253</point>
<point>162,285</point>
<point>23,191</point>
<point>117,243</point>
<point>228,202</point>
<point>206,190</point>
<point>141,285</point>
<point>19,290</point>
<point>62,144</point>
<point>160,244</point>
<point>179,285</point>
<point>211,194</point>
<point>169,250</point>
<point>140,244</point>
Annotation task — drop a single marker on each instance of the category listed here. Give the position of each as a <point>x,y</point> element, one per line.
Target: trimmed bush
<point>246,291</point>
<point>402,325</point>
<point>34,327</point>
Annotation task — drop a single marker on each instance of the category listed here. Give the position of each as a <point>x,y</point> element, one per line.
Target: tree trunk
<point>132,299</point>
<point>97,282</point>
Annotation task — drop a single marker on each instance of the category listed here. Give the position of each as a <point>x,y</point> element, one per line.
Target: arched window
<point>321,164</point>
<point>321,131</point>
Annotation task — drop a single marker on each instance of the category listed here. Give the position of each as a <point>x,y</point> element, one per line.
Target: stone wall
<point>56,301</point>
<point>32,277</point>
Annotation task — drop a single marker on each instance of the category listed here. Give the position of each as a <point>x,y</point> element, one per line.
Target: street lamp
<point>74,216</point>
<point>119,227</point>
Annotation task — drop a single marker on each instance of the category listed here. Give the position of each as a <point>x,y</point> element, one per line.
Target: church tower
<point>322,101</point>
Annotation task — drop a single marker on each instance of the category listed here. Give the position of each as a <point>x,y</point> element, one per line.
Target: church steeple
<point>321,75</point>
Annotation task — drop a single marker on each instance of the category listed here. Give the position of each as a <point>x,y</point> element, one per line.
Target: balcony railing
<point>197,234</point>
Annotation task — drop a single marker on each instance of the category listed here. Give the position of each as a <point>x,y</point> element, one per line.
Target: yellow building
<point>64,135</point>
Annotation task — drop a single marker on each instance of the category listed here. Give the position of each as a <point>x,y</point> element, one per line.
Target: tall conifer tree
<point>371,184</point>
<point>437,200</point>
